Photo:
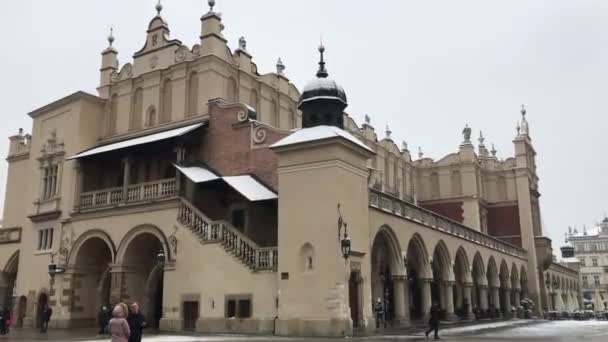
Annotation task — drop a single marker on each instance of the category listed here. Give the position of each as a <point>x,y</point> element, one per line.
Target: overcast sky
<point>424,67</point>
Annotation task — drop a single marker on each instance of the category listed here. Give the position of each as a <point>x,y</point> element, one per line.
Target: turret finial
<point>211,4</point>
<point>388,133</point>
<point>111,36</point>
<point>525,129</point>
<point>322,73</point>
<point>242,43</point>
<point>159,7</point>
<point>404,146</point>
<point>466,133</point>
<point>523,110</point>
<point>280,67</point>
<point>493,151</point>
<point>368,120</point>
<point>481,138</point>
<point>420,153</point>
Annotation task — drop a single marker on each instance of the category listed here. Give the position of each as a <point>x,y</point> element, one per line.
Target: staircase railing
<point>208,231</point>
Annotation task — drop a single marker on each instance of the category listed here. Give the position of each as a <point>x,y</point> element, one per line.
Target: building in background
<point>589,248</point>
<point>225,200</point>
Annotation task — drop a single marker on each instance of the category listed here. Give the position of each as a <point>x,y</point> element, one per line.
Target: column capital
<point>427,280</point>
<point>399,278</point>
<point>469,285</point>
<point>448,282</point>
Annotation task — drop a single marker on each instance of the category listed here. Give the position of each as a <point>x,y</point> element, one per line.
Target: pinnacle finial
<point>388,133</point>
<point>322,73</point>
<point>481,138</point>
<point>466,133</point>
<point>523,110</point>
<point>211,4</point>
<point>368,120</point>
<point>159,7</point>
<point>404,146</point>
<point>420,153</point>
<point>242,43</point>
<point>493,151</point>
<point>280,66</point>
<point>111,36</point>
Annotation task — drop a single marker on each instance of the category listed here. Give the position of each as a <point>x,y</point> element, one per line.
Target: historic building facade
<point>588,250</point>
<point>225,200</point>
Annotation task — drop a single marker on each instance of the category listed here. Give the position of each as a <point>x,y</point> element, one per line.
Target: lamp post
<point>54,268</point>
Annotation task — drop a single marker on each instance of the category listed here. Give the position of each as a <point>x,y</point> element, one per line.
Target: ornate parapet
<point>10,235</point>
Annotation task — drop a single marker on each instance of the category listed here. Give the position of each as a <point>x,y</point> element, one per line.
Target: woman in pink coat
<point>118,326</point>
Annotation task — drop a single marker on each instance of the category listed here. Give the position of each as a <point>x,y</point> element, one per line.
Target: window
<point>45,239</point>
<point>49,181</point>
<point>151,117</point>
<point>596,279</point>
<point>582,260</point>
<point>238,306</point>
<point>585,281</point>
<point>594,262</point>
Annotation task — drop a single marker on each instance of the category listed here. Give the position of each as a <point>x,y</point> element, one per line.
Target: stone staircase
<point>234,242</point>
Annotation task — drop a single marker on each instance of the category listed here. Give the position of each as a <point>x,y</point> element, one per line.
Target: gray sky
<point>424,67</point>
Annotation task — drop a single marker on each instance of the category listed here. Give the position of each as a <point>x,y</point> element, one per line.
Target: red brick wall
<point>226,147</point>
<point>503,222</point>
<point>451,210</point>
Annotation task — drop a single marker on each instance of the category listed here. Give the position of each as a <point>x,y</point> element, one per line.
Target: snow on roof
<point>318,133</point>
<point>246,185</point>
<point>570,260</point>
<point>250,188</point>
<point>172,133</point>
<point>322,83</point>
<point>197,174</point>
<point>595,231</point>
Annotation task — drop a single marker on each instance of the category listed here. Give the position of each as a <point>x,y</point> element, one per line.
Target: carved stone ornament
<point>181,54</point>
<point>153,62</point>
<point>196,50</point>
<point>67,240</point>
<point>259,135</point>
<point>242,116</point>
<point>53,145</point>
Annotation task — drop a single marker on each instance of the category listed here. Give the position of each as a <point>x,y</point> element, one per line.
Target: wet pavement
<point>520,331</point>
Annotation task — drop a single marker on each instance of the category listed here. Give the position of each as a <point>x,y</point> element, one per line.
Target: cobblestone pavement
<point>523,331</point>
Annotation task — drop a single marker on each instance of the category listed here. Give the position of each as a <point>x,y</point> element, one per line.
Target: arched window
<point>307,257</point>
<point>151,117</point>
<point>231,91</point>
<point>501,188</point>
<point>167,98</point>
<point>435,185</point>
<point>137,103</point>
<point>113,114</point>
<point>192,109</point>
<point>456,183</point>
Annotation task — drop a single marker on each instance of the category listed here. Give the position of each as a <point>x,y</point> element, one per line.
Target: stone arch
<point>419,275</point>
<point>151,116</point>
<point>93,233</point>
<point>514,277</point>
<point>139,230</point>
<point>462,268</point>
<point>492,273</point>
<point>480,282</point>
<point>441,266</point>
<point>504,275</point>
<point>462,280</point>
<point>479,270</point>
<point>7,280</point>
<point>386,266</point>
<point>12,264</point>
<point>504,296</point>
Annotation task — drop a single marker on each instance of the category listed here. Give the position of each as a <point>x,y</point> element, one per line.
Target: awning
<point>246,185</point>
<point>172,133</point>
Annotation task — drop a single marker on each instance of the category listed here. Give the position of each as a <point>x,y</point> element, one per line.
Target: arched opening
<point>523,277</point>
<point>479,293</point>
<point>516,287</point>
<point>91,266</point>
<point>7,281</point>
<point>43,300</point>
<point>385,260</point>
<point>419,278</point>
<point>494,286</point>
<point>151,116</point>
<point>461,279</point>
<point>442,274</point>
<point>140,258</point>
<point>307,258</point>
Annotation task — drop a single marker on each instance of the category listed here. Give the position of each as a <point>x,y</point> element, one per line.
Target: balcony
<point>136,193</point>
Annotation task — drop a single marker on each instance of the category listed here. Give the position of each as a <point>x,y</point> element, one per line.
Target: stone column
<point>458,291</point>
<point>483,297</point>
<point>441,287</point>
<point>126,162</point>
<point>496,298</point>
<point>78,186</point>
<point>516,297</point>
<point>507,306</point>
<point>468,300</point>
<point>449,301</point>
<point>401,315</point>
<point>426,297</point>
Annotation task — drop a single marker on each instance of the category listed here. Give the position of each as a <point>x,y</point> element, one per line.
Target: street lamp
<point>53,268</point>
<point>160,258</point>
<point>345,243</point>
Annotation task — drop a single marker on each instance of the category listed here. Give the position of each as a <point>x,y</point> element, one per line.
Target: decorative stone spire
<point>322,73</point>
<point>493,151</point>
<point>388,133</point>
<point>159,8</point>
<point>211,4</point>
<point>570,230</point>
<point>481,139</point>
<point>404,146</point>
<point>420,153</point>
<point>111,37</point>
<point>368,120</point>
<point>466,134</point>
<point>280,67</point>
<point>242,43</point>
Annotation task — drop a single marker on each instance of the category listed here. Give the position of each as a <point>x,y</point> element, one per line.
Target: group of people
<point>123,324</point>
<point>5,320</point>
<point>434,317</point>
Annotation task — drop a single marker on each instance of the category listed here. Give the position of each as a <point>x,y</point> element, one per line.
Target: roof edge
<point>63,101</point>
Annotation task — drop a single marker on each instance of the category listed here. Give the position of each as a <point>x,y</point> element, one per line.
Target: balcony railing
<point>208,231</point>
<point>387,202</point>
<point>141,192</point>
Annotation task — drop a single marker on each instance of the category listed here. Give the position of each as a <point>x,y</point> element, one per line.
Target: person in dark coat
<point>434,320</point>
<point>137,322</point>
<point>103,318</point>
<point>47,312</point>
<point>379,311</point>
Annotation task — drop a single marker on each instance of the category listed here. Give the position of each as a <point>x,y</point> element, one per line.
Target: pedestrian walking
<point>47,312</point>
<point>435,314</point>
<point>137,322</point>
<point>8,316</point>
<point>118,326</point>
<point>379,311</point>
